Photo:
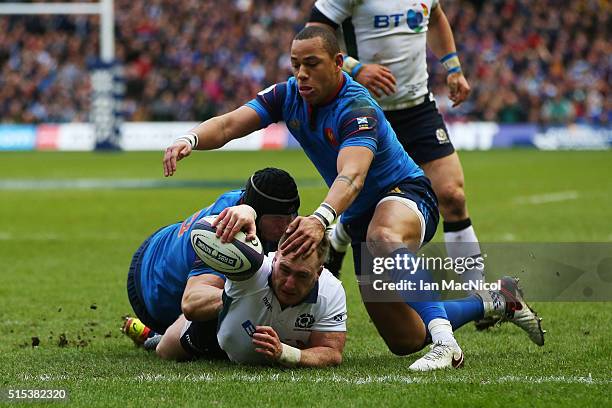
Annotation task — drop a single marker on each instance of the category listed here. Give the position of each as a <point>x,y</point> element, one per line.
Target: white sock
<point>442,332</point>
<point>339,238</point>
<point>464,244</point>
<point>492,301</point>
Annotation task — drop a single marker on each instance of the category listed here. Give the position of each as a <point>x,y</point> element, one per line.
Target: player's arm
<point>202,297</point>
<point>353,164</point>
<point>325,348</point>
<point>358,131</point>
<point>305,233</point>
<point>211,134</point>
<point>440,40</point>
<point>376,78</point>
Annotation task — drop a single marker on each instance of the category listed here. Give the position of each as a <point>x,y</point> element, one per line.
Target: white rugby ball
<point>238,259</point>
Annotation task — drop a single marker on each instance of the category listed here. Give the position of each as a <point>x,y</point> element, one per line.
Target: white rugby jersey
<point>387,32</point>
<point>252,303</point>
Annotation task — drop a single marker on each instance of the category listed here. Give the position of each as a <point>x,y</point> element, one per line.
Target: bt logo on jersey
<point>413,18</point>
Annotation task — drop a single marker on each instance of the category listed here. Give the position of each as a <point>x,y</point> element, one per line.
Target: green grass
<point>65,251</point>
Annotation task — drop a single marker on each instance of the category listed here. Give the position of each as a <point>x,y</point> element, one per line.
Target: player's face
<point>272,227</point>
<point>317,73</point>
<point>293,278</point>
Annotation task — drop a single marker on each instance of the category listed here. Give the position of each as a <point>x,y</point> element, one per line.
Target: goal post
<point>106,75</point>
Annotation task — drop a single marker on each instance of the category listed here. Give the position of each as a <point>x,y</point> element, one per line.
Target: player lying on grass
<point>166,279</point>
<point>384,197</point>
<point>291,311</point>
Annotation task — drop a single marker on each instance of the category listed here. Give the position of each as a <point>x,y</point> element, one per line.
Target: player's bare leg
<point>170,348</point>
<point>399,326</point>
<point>395,230</point>
<point>446,176</point>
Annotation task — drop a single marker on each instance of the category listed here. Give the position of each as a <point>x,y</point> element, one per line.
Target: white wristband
<point>326,214</point>
<point>290,356</point>
<point>191,138</point>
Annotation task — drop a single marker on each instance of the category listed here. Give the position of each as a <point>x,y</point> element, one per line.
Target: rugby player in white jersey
<point>386,44</point>
<point>292,311</point>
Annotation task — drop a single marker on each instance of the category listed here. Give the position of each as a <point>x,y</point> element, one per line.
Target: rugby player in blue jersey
<point>384,197</point>
<point>166,279</point>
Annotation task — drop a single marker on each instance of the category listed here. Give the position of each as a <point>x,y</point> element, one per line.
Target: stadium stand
<point>545,62</point>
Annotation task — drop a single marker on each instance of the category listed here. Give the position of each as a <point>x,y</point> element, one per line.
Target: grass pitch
<point>69,223</point>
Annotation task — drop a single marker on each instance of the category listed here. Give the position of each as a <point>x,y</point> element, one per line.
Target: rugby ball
<point>238,259</point>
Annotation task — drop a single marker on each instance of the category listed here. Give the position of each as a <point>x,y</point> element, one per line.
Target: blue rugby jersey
<point>169,261</point>
<point>352,118</point>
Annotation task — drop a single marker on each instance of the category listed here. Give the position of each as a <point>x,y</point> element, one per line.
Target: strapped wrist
<point>290,356</point>
<point>326,214</point>
<point>189,137</point>
<point>351,66</point>
<point>451,63</point>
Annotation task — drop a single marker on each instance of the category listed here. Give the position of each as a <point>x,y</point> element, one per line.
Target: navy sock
<point>465,310</point>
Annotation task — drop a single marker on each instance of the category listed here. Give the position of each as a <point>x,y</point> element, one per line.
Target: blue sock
<point>425,303</point>
<point>462,311</point>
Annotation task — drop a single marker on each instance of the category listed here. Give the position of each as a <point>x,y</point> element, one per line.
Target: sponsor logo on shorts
<point>304,321</point>
<point>396,190</point>
<point>442,136</point>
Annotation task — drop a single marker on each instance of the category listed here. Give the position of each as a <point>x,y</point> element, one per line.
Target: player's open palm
<point>233,220</point>
<point>304,234</point>
<point>377,78</point>
<point>458,87</point>
<point>177,151</point>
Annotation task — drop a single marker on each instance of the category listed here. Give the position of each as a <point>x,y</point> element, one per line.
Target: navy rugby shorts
<point>135,291</point>
<point>417,190</point>
<point>422,132</point>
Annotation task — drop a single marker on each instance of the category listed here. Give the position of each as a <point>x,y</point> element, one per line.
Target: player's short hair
<point>330,42</point>
<point>322,249</point>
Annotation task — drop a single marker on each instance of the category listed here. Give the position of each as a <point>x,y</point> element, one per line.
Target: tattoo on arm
<point>346,179</point>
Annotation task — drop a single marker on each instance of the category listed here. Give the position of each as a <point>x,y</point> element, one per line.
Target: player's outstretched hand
<point>377,78</point>
<point>304,234</point>
<point>233,220</point>
<point>458,87</point>
<point>267,342</point>
<point>174,153</point>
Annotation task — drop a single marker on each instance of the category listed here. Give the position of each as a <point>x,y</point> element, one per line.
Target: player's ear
<point>339,61</point>
<point>320,271</point>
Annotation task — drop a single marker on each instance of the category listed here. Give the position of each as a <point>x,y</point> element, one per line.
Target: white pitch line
<point>49,237</point>
<point>130,184</point>
<point>374,379</point>
<point>548,198</point>
<point>296,377</point>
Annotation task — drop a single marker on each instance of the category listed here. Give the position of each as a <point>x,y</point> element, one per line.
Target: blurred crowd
<point>548,61</point>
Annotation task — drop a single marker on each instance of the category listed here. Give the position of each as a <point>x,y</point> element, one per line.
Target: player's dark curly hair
<point>330,43</point>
